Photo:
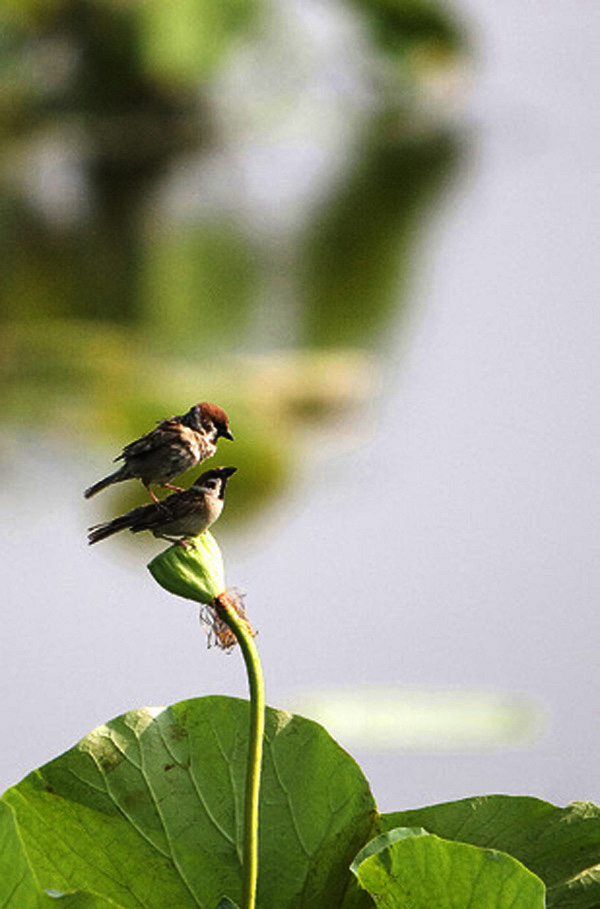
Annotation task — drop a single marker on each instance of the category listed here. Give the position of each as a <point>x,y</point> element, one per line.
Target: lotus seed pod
<point>194,572</point>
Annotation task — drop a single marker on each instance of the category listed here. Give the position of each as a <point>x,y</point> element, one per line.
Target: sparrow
<point>172,448</point>
<point>178,516</point>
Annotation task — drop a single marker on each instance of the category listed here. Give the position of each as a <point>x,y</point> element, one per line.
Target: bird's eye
<point>211,484</point>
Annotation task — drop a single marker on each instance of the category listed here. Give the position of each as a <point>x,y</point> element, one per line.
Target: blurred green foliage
<point>359,252</point>
<point>199,287</point>
<point>404,26</point>
<point>120,307</point>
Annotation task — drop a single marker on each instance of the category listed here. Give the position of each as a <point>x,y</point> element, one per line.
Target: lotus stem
<point>244,636</point>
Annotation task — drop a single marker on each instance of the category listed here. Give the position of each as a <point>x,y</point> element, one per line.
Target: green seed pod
<point>195,572</point>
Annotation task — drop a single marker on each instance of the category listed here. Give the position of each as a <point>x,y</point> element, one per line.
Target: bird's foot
<point>184,542</point>
<point>174,488</point>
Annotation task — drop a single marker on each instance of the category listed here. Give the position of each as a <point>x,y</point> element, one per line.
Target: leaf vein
<point>162,820</point>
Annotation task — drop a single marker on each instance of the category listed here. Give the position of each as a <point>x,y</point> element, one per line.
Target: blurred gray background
<point>368,231</point>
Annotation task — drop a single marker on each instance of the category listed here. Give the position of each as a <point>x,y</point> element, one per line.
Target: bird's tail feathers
<point>102,531</point>
<point>115,477</point>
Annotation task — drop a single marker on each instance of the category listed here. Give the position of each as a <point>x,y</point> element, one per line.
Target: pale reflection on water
<point>387,718</point>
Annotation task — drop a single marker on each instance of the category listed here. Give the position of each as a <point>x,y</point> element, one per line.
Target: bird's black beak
<point>227,434</point>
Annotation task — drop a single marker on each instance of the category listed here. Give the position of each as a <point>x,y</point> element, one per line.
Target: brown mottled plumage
<point>179,516</point>
<point>172,448</point>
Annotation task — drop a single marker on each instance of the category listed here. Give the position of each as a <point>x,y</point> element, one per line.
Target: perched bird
<point>179,516</point>
<point>172,448</point>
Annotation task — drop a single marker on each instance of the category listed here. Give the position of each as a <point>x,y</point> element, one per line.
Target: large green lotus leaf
<point>560,845</point>
<point>18,886</point>
<point>148,811</point>
<point>408,868</point>
<point>355,897</point>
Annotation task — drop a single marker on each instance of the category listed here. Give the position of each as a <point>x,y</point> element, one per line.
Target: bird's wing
<point>145,517</point>
<point>166,432</point>
<point>136,518</point>
<point>175,507</point>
